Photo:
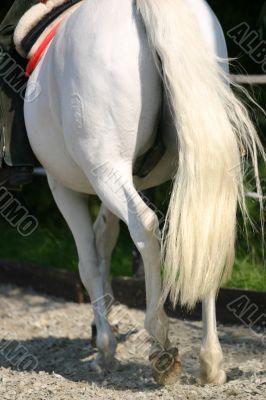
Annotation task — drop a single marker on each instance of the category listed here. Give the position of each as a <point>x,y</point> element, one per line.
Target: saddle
<point>32,36</point>
<point>38,22</point>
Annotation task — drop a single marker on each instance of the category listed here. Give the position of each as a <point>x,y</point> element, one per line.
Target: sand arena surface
<point>54,338</point>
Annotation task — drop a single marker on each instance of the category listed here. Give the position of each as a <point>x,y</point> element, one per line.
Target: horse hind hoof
<point>218,379</point>
<point>166,366</point>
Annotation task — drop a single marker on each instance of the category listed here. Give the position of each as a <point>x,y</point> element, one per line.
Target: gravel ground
<point>53,358</point>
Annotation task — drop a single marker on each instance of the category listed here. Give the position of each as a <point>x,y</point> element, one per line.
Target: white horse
<point>116,72</point>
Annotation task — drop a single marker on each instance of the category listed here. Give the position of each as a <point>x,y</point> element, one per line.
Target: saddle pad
<point>37,20</point>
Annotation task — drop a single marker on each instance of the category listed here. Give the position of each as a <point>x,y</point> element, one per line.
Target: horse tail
<point>214,131</point>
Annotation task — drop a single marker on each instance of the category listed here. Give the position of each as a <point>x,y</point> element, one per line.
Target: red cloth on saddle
<point>36,58</point>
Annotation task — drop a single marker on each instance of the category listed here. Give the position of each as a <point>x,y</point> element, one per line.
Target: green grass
<point>248,276</point>
<point>52,244</point>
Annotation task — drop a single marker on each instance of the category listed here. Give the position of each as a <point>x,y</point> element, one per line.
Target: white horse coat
<point>109,42</point>
<point>102,98</point>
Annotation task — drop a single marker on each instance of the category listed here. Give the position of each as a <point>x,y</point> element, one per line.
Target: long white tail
<point>214,129</point>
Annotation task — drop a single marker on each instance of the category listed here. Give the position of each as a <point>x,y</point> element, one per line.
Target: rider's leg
<point>16,157</point>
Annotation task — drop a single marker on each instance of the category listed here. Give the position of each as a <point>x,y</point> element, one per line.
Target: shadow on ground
<point>71,359</point>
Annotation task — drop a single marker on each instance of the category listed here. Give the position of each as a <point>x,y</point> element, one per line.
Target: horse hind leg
<point>119,195</point>
<point>211,356</point>
<point>74,208</point>
<point>106,228</point>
